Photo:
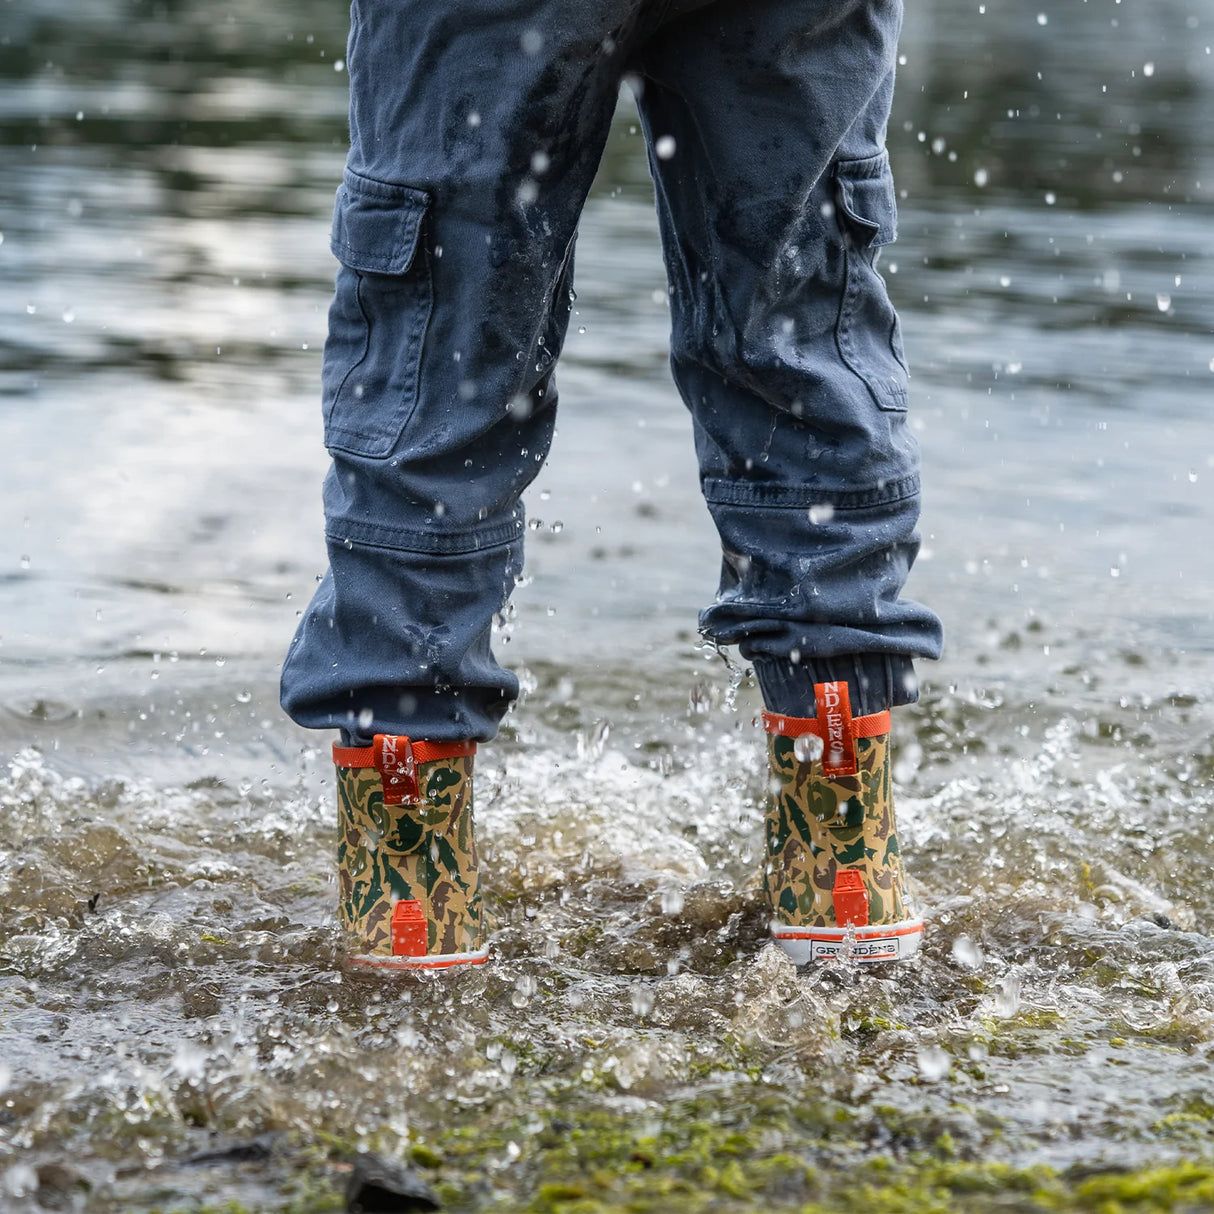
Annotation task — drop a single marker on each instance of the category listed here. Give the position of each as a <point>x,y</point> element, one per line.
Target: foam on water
<point>202,990</point>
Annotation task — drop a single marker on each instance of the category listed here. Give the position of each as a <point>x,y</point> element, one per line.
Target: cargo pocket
<point>378,318</point>
<point>870,340</point>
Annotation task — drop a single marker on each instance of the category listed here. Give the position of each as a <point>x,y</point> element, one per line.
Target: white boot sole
<point>887,942</point>
<point>439,961</point>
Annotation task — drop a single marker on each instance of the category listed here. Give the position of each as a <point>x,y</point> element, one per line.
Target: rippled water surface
<point>176,1033</point>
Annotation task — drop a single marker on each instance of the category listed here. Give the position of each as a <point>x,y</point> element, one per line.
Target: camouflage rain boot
<point>833,873</point>
<point>410,891</point>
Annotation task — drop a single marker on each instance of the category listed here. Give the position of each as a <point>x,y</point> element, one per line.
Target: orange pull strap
<point>838,736</point>
<point>794,727</point>
<point>409,930</point>
<point>851,899</point>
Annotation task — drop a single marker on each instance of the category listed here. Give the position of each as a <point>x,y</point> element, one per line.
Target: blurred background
<point>167,169</point>
<point>165,185</point>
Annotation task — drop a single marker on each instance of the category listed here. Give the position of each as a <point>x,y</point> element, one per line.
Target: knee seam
<point>720,492</point>
<point>438,543</point>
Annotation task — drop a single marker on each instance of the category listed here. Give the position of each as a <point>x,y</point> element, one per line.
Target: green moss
<point>1198,1106</point>
<point>1184,1186</point>
<point>602,1163</point>
<point>758,1151</point>
<point>424,1156</point>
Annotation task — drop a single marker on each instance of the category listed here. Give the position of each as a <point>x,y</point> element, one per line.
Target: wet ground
<point>176,1033</point>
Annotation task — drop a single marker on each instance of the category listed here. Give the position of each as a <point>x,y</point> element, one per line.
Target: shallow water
<point>168,979</point>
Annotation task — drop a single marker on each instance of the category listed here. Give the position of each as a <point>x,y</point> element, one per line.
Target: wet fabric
<point>476,130</point>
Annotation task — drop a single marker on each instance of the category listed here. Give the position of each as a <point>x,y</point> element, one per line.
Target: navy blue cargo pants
<point>476,129</point>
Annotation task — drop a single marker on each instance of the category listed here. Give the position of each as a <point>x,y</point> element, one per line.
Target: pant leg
<point>766,121</point>
<point>476,130</point>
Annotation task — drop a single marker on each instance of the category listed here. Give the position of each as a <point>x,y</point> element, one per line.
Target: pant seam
<point>721,492</point>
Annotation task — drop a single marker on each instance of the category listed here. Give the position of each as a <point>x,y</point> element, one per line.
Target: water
<point>168,980</point>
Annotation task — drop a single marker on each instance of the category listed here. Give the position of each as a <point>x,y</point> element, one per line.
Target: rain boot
<point>410,893</point>
<point>833,872</point>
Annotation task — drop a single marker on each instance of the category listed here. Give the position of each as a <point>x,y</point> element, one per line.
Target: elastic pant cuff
<point>876,682</point>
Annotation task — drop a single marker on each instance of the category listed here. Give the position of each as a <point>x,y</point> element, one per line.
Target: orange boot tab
<point>409,929</point>
<point>851,899</point>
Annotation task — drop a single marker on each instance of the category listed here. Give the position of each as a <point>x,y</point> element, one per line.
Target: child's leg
<point>774,197</point>
<point>766,120</point>
<point>476,129</point>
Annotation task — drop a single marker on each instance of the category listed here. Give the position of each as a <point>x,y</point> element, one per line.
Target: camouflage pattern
<point>816,826</point>
<point>425,852</point>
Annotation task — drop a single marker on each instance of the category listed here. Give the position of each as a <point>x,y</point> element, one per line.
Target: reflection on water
<point>167,974</point>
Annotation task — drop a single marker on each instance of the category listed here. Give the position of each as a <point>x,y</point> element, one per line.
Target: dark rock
<point>57,1185</point>
<point>251,1150</point>
<point>379,1187</point>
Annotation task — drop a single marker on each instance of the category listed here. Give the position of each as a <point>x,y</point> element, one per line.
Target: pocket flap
<point>866,193</point>
<point>376,226</point>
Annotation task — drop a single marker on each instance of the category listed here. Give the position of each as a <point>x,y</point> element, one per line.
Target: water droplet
<point>20,1180</point>
<point>1163,301</point>
<point>966,953</point>
<point>672,901</point>
<point>590,745</point>
<point>1007,1001</point>
<point>822,513</point>
<point>981,177</point>
<point>642,999</point>
<point>525,987</point>
<point>807,748</point>
<point>934,1063</point>
<point>664,147</point>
